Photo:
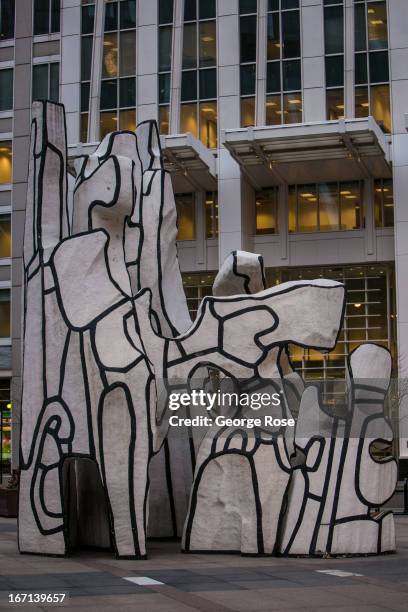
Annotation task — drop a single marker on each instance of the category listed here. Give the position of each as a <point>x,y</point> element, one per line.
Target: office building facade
<point>283,125</point>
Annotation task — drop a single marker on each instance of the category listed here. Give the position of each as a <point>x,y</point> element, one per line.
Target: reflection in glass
<point>206,9</point>
<point>128,53</point>
<point>380,105</point>
<point>185,216</point>
<point>328,207</point>
<point>190,45</point>
<point>5,162</point>
<point>207,44</point>
<point>333,29</point>
<point>5,236</point>
<point>248,38</point>
<point>351,206</point>
<point>291,34</point>
<point>273,48</point>
<point>108,123</point>
<point>247,112</point>
<point>307,208</point>
<point>292,108</point>
<point>247,6</point>
<point>110,56</point>
<point>190,10</point>
<point>188,119</point>
<point>127,120</point>
<point>208,124</point>
<point>247,79</point>
<point>361,102</point>
<point>164,119</point>
<point>377,25</point>
<point>166,11</point>
<point>273,110</point>
<point>266,203</point>
<point>335,104</point>
<point>88,17</point>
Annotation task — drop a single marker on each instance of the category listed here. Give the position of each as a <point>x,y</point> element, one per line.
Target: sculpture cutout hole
<point>381,450</point>
<point>86,509</point>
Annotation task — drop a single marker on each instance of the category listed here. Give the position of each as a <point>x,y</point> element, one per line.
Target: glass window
<point>190,10</point>
<point>292,209</point>
<point>109,94</point>
<point>266,203</point>
<point>289,4</point>
<point>5,236</point>
<point>165,40</point>
<point>110,56</point>
<point>111,16</point>
<point>307,208</point>
<point>384,203</point>
<point>208,84</point>
<point>273,80</point>
<point>379,67</point>
<point>361,74</point>
<point>377,25</point>
<point>188,119</point>
<point>335,104</point>
<point>247,77</point>
<point>164,88</point>
<point>127,53</point>
<point>360,34</point>
<point>291,76</point>
<point>6,89</point>
<point>190,45</point>
<point>189,85</point>
<point>85,88</point>
<point>291,34</point>
<point>211,214</point>
<point>328,207</point>
<point>273,110</point>
<point>6,19</point>
<point>247,112</point>
<point>292,108</point>
<point>166,11</point>
<point>208,124</point>
<point>273,37</point>
<point>380,105</point>
<point>247,6</point>
<point>361,101</point>
<point>351,205</point>
<point>46,16</point>
<point>127,120</point>
<point>54,82</point>
<point>40,82</point>
<point>207,44</point>
<point>108,123</point>
<point>335,71</point>
<point>206,9</point>
<point>86,57</point>
<point>164,119</point>
<point>185,216</point>
<point>5,162</point>
<point>248,38</point>
<point>333,29</point>
<point>5,326</point>
<point>127,92</point>
<point>88,18</point>
<point>127,14</point>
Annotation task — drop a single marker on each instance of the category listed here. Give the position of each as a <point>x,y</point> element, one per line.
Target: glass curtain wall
<point>166,11</point>
<point>334,58</point>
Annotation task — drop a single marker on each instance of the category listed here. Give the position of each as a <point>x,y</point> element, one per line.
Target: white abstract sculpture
<point>107,336</point>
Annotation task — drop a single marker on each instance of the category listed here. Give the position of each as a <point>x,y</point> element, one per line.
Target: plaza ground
<point>208,583</point>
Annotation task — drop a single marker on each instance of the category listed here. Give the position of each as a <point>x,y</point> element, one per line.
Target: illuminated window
<point>5,236</point>
<point>87,31</point>
<point>46,82</point>
<point>369,317</point>
<point>5,326</point>
<point>283,80</point>
<point>247,43</point>
<point>5,162</point>
<point>266,211</point>
<point>371,67</point>
<point>196,287</point>
<point>334,58</point>
<point>211,214</point>
<point>6,89</point>
<point>6,19</point>
<point>46,16</point>
<point>325,207</point>
<point>384,203</point>
<point>185,206</point>
<point>118,85</point>
<point>165,54</point>
<point>198,112</point>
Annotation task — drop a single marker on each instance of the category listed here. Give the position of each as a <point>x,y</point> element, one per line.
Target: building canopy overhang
<point>341,150</point>
<point>192,166</point>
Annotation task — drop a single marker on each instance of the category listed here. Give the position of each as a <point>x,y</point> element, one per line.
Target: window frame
<point>50,9</point>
